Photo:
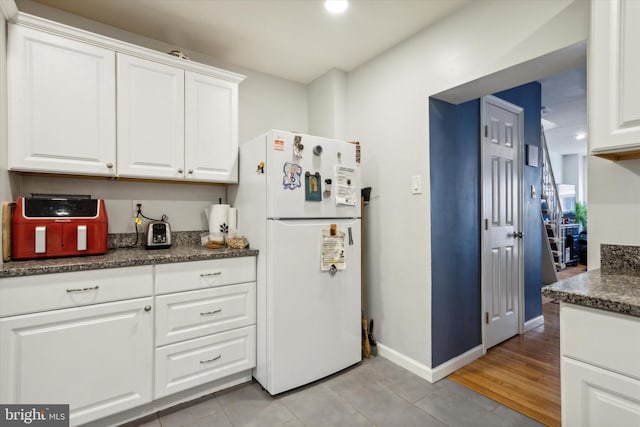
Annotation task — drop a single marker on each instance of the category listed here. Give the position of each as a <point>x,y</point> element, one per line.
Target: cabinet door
<point>61,104</point>
<point>593,396</point>
<point>614,83</point>
<point>97,359</point>
<point>211,129</point>
<point>150,119</point>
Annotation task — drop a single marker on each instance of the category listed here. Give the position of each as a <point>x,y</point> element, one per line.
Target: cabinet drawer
<point>605,339</point>
<point>201,360</point>
<point>186,276</point>
<point>192,314</point>
<point>20,295</point>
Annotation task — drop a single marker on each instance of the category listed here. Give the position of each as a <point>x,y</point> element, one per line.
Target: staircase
<point>551,212</point>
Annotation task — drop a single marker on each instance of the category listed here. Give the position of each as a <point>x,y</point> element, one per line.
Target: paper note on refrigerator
<point>333,253</point>
<point>346,188</point>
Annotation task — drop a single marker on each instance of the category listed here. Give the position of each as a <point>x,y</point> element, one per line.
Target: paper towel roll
<point>219,218</point>
<point>233,219</point>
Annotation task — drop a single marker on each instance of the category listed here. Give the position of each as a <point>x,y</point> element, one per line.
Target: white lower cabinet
<point>600,368</point>
<point>186,315</point>
<point>97,359</point>
<point>206,332</point>
<point>593,396</point>
<point>86,339</point>
<point>188,364</point>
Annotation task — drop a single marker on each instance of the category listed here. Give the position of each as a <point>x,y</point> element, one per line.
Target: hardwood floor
<point>571,271</point>
<point>523,372</point>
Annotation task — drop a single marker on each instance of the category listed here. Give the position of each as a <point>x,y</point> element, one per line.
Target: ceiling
<point>564,101</point>
<point>293,39</point>
<point>299,41</point>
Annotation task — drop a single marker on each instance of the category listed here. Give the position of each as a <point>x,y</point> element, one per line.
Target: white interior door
<point>501,206</point>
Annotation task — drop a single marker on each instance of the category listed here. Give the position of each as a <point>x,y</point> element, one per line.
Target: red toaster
<point>47,227</point>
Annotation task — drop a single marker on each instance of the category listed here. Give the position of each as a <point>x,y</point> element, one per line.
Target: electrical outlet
<point>134,207</point>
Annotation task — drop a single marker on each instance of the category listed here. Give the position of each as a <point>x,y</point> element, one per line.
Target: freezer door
<point>286,177</point>
<point>313,317</point>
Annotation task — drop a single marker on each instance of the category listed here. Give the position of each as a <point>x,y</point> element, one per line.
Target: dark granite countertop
<point>619,293</point>
<point>120,258</point>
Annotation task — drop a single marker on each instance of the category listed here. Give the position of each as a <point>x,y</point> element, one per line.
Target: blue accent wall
<point>455,234</point>
<point>454,147</point>
<point>528,96</point>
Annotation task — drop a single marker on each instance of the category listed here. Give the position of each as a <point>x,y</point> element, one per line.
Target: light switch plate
<point>416,184</point>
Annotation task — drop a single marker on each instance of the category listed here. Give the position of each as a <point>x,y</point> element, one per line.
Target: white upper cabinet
<point>176,119</point>
<point>614,79</point>
<point>211,128</point>
<point>61,104</point>
<point>150,119</point>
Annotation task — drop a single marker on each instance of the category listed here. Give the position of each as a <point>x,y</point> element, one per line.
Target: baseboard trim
<point>533,323</point>
<point>452,365</point>
<point>430,374</point>
<point>420,369</point>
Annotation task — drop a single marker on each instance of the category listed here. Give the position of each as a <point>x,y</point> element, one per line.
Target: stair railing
<point>550,195</point>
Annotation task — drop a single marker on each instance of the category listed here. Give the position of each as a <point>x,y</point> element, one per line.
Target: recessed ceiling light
<point>336,6</point>
<point>581,136</point>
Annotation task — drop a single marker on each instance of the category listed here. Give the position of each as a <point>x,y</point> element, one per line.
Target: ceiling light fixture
<point>580,136</point>
<point>336,6</point>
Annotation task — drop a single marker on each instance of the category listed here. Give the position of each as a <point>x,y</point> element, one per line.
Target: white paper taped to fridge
<point>345,184</point>
<point>333,252</point>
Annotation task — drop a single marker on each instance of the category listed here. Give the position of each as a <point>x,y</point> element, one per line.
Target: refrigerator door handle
<point>350,236</point>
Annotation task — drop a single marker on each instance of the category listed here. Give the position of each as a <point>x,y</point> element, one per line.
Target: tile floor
<point>373,393</point>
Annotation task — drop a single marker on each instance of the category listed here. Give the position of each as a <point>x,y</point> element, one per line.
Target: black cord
<point>162,218</point>
<point>136,242</point>
<point>138,215</point>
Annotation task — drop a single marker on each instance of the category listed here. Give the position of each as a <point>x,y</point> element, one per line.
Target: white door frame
<point>520,111</point>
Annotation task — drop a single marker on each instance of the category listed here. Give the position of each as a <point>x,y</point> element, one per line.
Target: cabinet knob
<point>110,165</point>
<point>190,171</point>
<point>147,308</point>
<point>180,170</point>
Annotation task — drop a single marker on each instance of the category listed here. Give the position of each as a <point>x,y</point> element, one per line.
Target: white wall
<point>614,205</point>
<point>327,105</point>
<point>5,190</point>
<point>556,166</point>
<point>265,102</point>
<point>7,185</point>
<point>388,113</point>
<point>572,171</point>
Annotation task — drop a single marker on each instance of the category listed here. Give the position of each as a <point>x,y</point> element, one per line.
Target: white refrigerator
<point>298,203</point>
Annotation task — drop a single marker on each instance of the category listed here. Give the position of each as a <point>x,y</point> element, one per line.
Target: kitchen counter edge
<point>117,258</point>
<point>618,293</point>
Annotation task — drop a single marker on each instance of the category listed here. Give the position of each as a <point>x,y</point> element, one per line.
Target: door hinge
<point>486,223</point>
<point>486,131</point>
<point>486,317</point>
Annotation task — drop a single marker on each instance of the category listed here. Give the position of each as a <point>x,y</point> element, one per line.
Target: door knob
<point>517,234</point>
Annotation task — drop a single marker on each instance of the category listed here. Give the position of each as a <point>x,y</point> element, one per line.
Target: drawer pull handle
<point>218,273</point>
<point>207,313</point>
<point>83,289</point>
<point>211,360</point>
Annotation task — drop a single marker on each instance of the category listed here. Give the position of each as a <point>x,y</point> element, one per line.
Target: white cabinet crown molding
<point>42,24</point>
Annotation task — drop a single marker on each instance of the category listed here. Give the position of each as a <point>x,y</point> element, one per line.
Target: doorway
<point>536,317</point>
